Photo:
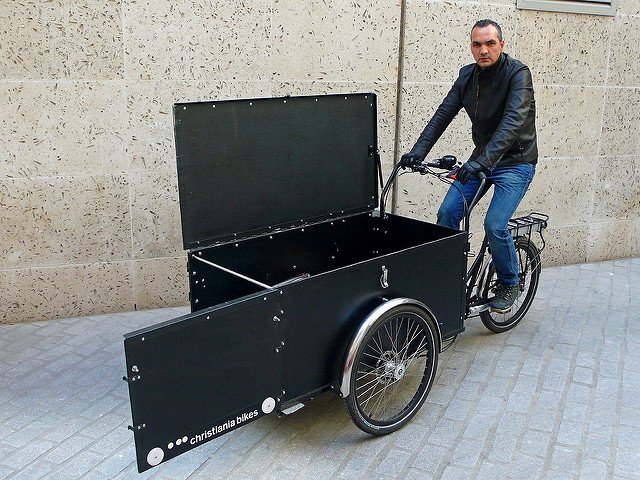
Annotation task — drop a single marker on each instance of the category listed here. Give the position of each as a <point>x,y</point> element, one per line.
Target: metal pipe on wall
<point>396,142</point>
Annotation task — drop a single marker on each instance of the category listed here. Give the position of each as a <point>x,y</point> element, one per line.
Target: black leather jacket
<point>499,101</point>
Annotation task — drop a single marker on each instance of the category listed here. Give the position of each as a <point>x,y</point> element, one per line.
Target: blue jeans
<point>509,184</point>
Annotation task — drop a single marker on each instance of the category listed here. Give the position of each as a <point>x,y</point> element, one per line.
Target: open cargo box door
<point>199,376</point>
<point>251,167</point>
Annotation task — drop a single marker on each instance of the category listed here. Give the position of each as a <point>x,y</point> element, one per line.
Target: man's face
<point>485,45</point>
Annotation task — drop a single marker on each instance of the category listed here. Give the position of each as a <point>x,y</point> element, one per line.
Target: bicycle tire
<point>529,267</point>
<point>393,371</point>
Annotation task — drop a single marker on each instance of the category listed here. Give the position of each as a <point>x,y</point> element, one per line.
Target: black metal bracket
<point>375,153</point>
<point>135,377</point>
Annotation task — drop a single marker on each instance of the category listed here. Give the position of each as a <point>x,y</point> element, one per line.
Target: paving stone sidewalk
<point>556,398</point>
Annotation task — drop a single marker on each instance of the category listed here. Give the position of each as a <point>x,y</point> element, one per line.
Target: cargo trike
<point>300,281</point>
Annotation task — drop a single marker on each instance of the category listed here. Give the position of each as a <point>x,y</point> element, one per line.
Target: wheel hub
<point>390,368</point>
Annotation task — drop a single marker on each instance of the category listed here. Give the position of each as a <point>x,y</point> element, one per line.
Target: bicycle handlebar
<point>448,163</point>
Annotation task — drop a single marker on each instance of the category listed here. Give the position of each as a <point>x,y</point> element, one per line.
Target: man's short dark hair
<point>485,23</point>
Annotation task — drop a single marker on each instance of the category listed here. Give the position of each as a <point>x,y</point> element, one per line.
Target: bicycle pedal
<point>479,306</point>
<point>501,310</point>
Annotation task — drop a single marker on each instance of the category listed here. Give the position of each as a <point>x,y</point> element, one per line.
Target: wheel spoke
<point>390,336</point>
<point>373,373</point>
<point>418,351</point>
<point>366,374</point>
<point>394,342</point>
<point>378,345</point>
<point>379,400</point>
<point>413,337</point>
<point>372,389</point>
<point>375,357</point>
<point>391,396</point>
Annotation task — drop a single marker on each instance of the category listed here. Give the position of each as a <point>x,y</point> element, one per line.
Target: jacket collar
<point>494,67</point>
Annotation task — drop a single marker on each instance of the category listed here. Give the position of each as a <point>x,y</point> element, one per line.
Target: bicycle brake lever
<point>420,168</point>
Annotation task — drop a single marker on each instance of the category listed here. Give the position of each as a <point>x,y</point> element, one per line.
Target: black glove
<point>409,160</point>
<point>468,170</point>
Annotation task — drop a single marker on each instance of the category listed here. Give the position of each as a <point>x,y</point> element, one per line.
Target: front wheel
<point>529,267</point>
<point>393,371</point>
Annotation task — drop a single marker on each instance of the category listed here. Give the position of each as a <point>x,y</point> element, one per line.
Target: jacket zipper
<point>475,113</point>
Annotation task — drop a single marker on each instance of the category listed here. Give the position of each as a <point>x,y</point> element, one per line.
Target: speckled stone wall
<point>88,189</point>
<point>587,84</point>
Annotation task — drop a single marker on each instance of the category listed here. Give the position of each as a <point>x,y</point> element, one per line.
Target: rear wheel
<point>529,267</point>
<point>393,371</point>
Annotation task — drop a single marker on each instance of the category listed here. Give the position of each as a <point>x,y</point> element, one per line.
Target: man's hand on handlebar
<point>469,169</point>
<point>409,160</point>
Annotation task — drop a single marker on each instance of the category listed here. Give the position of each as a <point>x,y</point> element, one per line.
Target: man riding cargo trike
<point>300,281</point>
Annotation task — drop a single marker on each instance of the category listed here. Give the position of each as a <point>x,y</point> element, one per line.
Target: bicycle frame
<point>476,279</point>
<point>478,265</point>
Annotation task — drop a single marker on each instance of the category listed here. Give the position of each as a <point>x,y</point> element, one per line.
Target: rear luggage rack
<point>525,226</point>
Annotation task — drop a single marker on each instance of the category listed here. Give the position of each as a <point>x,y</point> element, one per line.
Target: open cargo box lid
<point>247,167</point>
